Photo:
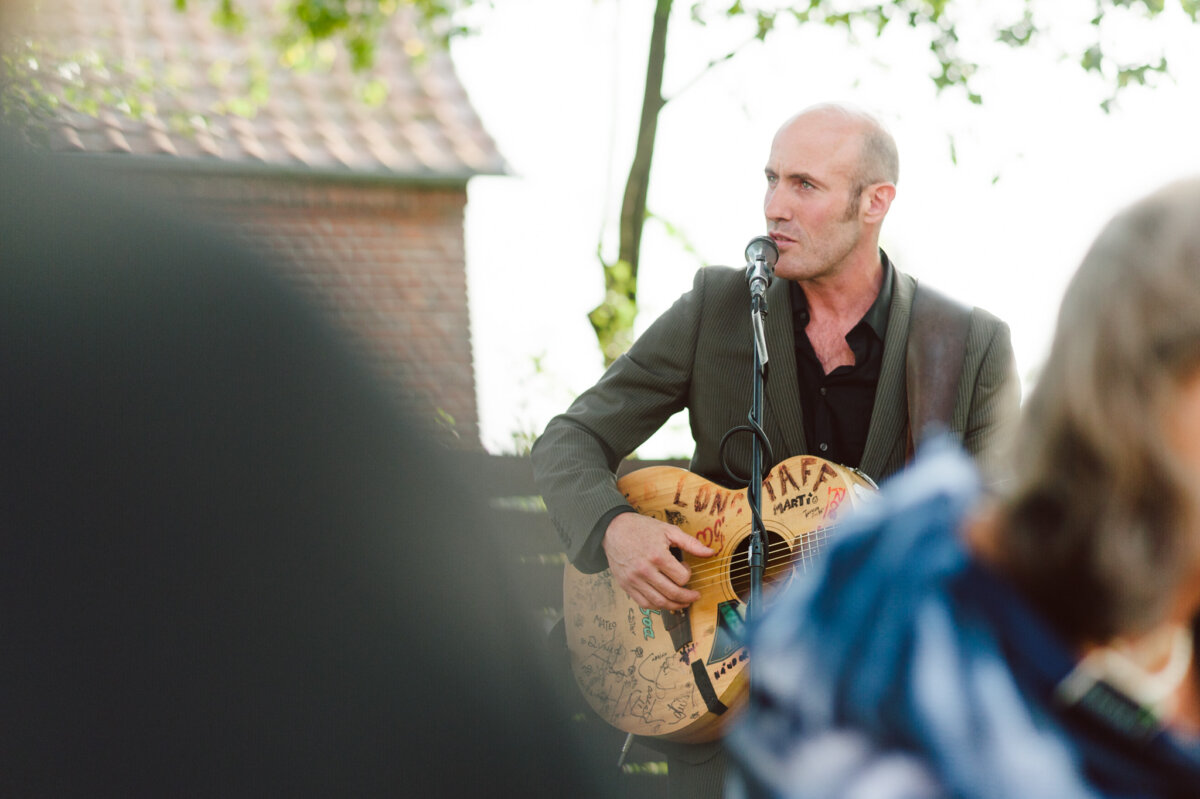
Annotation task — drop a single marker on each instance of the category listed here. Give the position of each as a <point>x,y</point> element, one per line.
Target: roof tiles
<point>198,93</point>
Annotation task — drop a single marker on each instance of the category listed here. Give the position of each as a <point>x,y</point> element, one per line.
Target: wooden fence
<point>519,520</point>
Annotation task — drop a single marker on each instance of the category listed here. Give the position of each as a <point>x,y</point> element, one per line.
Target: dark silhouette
<point>229,565</point>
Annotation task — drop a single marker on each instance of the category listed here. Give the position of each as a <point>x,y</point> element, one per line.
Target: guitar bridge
<point>678,624</point>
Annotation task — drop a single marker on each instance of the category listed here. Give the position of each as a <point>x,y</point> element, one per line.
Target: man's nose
<point>774,207</point>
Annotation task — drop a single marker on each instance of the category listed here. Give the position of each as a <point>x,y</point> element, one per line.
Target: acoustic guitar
<point>682,675</point>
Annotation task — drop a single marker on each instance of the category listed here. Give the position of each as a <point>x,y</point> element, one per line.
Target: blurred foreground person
<point>229,567</point>
<point>1035,644</point>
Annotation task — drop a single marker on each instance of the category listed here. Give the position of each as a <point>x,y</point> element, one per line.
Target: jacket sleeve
<point>575,459</point>
<point>993,392</point>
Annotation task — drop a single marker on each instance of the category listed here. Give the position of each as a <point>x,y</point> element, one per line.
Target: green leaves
<point>612,320</point>
<point>1018,34</point>
<point>765,24</point>
<point>1138,72</point>
<point>227,16</point>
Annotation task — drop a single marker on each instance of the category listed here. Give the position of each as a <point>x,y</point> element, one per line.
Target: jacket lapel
<point>890,414</point>
<point>782,395</point>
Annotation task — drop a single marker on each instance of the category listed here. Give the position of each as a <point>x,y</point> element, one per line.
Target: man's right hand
<point>641,561</point>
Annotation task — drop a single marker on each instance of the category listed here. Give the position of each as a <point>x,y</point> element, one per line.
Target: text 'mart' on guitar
<point>682,675</point>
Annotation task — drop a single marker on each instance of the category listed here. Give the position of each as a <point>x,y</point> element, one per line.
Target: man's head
<point>1104,522</point>
<point>831,176</point>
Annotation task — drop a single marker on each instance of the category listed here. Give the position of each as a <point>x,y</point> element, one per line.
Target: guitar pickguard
<point>730,635</point>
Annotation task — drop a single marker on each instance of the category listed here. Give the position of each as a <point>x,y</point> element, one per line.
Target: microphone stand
<point>761,256</point>
<point>758,533</point>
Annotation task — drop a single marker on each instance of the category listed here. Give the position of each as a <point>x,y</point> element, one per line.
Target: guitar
<point>682,675</point>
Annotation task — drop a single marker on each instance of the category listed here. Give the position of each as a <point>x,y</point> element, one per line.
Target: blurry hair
<point>1098,530</point>
<point>878,160</point>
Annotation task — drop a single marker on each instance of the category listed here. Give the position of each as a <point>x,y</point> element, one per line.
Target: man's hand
<point>640,557</point>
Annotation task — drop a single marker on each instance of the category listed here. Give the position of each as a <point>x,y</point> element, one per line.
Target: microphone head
<point>762,248</point>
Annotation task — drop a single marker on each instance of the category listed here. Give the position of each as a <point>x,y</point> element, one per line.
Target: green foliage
<point>24,102</point>
<point>445,424</point>
<point>38,79</point>
<point>612,320</point>
<point>355,23</point>
<point>656,768</point>
<point>1018,34</point>
<point>318,20</point>
<point>1093,59</point>
<point>225,14</point>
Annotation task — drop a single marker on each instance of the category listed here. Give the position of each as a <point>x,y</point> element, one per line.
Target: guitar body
<point>682,675</point>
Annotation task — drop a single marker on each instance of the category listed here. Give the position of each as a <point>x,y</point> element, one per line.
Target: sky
<point>996,203</point>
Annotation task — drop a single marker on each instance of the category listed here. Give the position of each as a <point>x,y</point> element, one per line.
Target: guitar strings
<point>784,564</point>
<point>714,573</point>
<point>710,573</point>
<point>802,553</point>
<point>807,549</point>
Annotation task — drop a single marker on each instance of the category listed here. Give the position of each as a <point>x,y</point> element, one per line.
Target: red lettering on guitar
<point>836,495</point>
<point>712,537</point>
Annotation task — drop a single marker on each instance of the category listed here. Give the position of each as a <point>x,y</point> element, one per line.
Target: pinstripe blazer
<point>699,355</point>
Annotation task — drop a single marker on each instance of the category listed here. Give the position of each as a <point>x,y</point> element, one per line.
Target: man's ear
<point>877,199</point>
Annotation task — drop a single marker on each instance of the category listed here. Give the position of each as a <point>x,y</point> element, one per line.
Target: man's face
<point>811,213</point>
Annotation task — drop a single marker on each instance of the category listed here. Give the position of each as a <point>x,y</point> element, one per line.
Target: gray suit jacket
<point>699,355</point>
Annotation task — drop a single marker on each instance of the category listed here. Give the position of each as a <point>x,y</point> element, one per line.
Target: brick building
<point>356,181</point>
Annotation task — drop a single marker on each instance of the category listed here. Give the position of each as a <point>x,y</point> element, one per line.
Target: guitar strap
<point>937,346</point>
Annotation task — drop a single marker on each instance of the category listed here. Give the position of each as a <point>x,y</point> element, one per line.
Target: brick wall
<point>385,260</point>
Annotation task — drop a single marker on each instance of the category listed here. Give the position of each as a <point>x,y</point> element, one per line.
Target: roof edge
<point>251,169</point>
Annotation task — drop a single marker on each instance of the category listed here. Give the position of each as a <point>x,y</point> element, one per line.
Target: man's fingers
<point>688,544</point>
<point>672,568</point>
<point>674,595</point>
<point>652,600</point>
<point>655,590</point>
<point>643,554</point>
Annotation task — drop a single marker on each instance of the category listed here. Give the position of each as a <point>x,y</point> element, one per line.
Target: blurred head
<point>831,177</point>
<point>10,9</point>
<point>1102,525</point>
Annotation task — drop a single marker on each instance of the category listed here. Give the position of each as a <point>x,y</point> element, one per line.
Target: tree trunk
<point>613,318</point>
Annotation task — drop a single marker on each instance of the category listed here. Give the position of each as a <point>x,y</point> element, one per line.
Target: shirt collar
<point>877,314</point>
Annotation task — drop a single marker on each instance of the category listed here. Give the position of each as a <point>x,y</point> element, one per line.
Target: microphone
<point>761,255</point>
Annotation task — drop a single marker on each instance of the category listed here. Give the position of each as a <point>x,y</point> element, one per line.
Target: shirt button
<point>822,390</point>
<point>823,446</point>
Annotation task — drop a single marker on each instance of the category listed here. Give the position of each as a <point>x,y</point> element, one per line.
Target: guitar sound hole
<point>778,566</point>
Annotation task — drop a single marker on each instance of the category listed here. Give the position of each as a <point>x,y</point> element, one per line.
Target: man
<point>1035,643</point>
<point>836,333</point>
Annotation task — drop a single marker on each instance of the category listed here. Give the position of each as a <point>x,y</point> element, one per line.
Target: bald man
<point>837,335</point>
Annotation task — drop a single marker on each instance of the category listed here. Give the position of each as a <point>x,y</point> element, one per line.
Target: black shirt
<point>837,406</point>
